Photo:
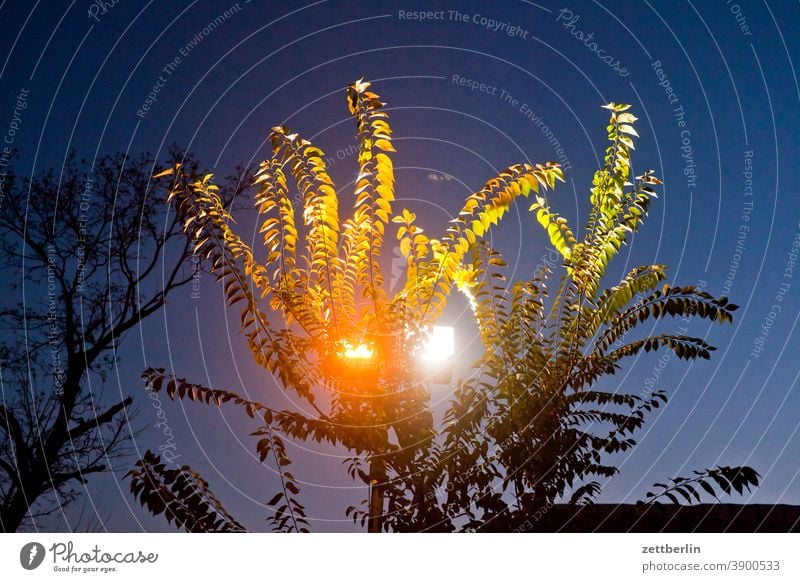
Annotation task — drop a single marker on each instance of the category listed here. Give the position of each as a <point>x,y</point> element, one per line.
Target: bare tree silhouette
<point>87,252</point>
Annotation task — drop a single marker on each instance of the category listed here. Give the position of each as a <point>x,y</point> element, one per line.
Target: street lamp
<point>440,344</point>
<point>433,362</point>
<point>357,352</point>
<point>433,359</point>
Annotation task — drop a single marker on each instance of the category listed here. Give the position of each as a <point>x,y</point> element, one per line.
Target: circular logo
<point>31,555</point>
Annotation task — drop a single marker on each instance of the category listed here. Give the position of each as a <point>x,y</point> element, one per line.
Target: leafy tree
<point>531,429</point>
<point>341,343</point>
<point>711,481</point>
<point>182,495</point>
<point>86,248</point>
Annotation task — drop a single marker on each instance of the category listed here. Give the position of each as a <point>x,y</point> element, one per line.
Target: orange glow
<point>359,352</point>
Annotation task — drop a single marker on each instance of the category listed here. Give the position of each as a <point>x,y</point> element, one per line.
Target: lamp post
<point>433,363</point>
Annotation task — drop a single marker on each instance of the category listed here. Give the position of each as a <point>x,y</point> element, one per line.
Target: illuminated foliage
<point>316,294</point>
<point>531,429</point>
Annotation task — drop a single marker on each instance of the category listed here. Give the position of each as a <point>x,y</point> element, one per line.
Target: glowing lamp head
<point>357,352</point>
<point>439,345</point>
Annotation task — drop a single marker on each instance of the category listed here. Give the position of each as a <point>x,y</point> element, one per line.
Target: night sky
<point>471,89</point>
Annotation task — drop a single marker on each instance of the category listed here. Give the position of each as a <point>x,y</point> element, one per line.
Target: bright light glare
<point>439,345</point>
<point>359,352</point>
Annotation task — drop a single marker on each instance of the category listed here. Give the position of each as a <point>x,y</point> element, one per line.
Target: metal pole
<point>377,477</point>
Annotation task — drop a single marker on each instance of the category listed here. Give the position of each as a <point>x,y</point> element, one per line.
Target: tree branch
<point>103,418</point>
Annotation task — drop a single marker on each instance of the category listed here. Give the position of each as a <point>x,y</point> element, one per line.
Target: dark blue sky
<point>714,86</point>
